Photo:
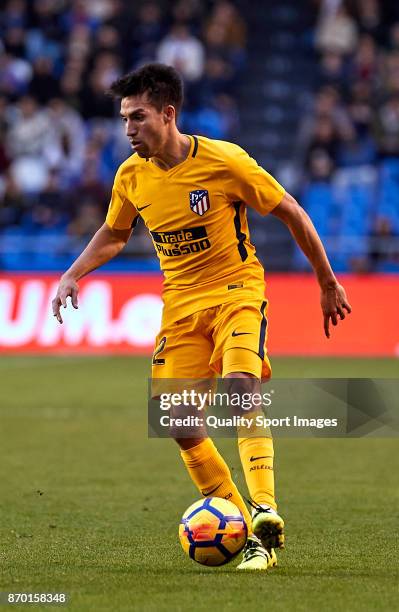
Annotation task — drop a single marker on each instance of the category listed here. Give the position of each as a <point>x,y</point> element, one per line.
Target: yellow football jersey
<point>196,215</point>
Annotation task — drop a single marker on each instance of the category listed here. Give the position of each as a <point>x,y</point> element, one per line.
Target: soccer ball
<point>212,531</point>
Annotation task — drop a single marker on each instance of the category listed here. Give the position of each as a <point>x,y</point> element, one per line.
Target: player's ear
<point>169,113</point>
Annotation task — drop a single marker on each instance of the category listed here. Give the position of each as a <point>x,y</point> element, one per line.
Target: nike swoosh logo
<point>142,207</point>
<point>234,334</point>
<point>264,457</point>
<point>210,492</point>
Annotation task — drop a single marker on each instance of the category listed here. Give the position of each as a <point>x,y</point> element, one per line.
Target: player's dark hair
<point>162,84</point>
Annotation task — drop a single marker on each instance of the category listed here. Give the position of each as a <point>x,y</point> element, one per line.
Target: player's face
<point>146,127</point>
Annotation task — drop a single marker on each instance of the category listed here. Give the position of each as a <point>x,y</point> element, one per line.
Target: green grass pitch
<point>90,506</point>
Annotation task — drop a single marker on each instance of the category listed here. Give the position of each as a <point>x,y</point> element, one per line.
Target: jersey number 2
<point>159,349</point>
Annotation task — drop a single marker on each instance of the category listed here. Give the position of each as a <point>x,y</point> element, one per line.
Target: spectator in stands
<point>394,37</point>
<point>14,41</point>
<point>369,17</point>
<point>49,19</point>
<point>14,15</point>
<point>4,157</point>
<point>46,219</point>
<point>120,17</point>
<point>391,72</point>
<point>357,146</point>
<point>225,33</point>
<point>71,84</point>
<point>88,219</point>
<point>107,39</point>
<point>183,51</point>
<point>218,78</point>
<point>82,13</point>
<point>69,131</point>
<point>227,107</point>
<point>147,32</point>
<point>30,131</point>
<point>364,65</point>
<point>43,85</point>
<point>332,70</point>
<point>217,46</point>
<point>79,42</point>
<point>384,247</point>
<point>320,165</point>
<point>188,13</point>
<point>226,14</point>
<point>360,108</point>
<point>94,103</point>
<point>337,32</point>
<point>15,74</point>
<point>386,127</point>
<point>324,140</point>
<point>327,105</point>
<point>11,202</point>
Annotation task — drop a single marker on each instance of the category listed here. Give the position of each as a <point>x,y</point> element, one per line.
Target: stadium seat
<point>318,201</point>
<point>388,197</point>
<point>355,192</point>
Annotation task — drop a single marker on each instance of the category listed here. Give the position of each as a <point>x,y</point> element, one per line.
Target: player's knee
<point>243,387</point>
<point>241,382</point>
<point>187,443</point>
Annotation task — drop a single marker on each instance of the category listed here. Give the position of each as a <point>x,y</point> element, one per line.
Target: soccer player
<point>192,192</point>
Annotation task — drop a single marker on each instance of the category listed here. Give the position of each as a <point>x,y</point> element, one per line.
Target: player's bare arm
<point>333,298</point>
<point>105,244</point>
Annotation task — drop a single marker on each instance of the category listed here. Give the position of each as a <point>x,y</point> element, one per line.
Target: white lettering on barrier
<point>91,322</point>
<point>21,329</point>
<point>139,320</point>
<point>137,324</point>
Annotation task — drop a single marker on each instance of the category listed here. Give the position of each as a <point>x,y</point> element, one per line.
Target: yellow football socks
<point>257,462</point>
<point>211,475</point>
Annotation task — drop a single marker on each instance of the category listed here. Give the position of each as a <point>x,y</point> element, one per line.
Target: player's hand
<point>333,304</point>
<point>67,288</point>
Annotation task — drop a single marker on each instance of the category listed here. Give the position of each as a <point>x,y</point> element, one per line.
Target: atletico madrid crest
<point>199,201</point>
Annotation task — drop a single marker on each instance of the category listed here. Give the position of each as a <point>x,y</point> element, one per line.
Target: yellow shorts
<point>217,341</point>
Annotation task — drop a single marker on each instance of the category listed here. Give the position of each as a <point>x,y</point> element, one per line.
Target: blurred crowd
<point>350,138</point>
<point>61,139</point>
<point>355,116</point>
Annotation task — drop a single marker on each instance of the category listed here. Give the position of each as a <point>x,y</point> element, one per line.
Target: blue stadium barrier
<point>388,200</point>
<point>355,192</point>
<point>318,201</point>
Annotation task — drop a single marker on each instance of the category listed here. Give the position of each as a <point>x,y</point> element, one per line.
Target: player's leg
<point>255,448</point>
<point>182,354</point>
<point>256,454</point>
<point>239,354</point>
<point>210,473</point>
